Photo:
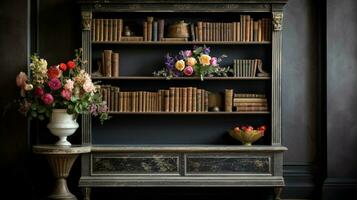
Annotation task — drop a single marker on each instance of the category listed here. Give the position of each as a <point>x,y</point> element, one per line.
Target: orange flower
<point>53,72</point>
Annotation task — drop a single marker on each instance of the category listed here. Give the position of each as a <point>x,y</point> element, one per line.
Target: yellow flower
<point>205,59</point>
<point>180,65</point>
<point>28,87</point>
<point>191,61</point>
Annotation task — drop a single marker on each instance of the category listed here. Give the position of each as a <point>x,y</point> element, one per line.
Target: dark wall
<point>341,99</point>
<point>13,127</point>
<point>59,34</point>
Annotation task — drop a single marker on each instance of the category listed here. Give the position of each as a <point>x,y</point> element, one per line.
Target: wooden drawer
<point>135,164</point>
<point>218,164</point>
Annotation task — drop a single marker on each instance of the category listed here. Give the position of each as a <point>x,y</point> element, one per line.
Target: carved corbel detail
<point>86,20</point>
<point>278,21</point>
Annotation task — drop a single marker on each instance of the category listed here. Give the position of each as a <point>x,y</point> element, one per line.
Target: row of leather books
<point>250,102</point>
<point>246,67</point>
<point>104,30</point>
<point>153,30</point>
<point>109,64</point>
<point>174,99</point>
<point>246,30</point>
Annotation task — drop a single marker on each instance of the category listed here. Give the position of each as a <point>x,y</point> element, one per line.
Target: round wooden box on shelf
<point>61,159</point>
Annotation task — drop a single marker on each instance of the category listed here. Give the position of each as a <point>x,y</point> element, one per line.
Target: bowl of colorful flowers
<point>61,93</point>
<point>195,62</point>
<point>247,134</point>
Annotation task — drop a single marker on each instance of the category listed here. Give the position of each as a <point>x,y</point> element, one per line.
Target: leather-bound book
<point>167,100</point>
<point>108,62</point>
<point>189,99</point>
<point>115,65</point>
<point>194,100</point>
<point>228,100</point>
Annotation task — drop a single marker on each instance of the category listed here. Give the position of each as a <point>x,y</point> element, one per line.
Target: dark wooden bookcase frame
<point>187,165</point>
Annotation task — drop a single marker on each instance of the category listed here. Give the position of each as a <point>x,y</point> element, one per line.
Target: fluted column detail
<point>87,57</point>
<point>276,77</point>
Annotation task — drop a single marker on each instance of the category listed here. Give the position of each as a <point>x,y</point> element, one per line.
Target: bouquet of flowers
<point>196,62</point>
<point>62,86</point>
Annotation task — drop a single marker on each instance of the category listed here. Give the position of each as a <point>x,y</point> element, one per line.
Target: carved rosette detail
<point>278,21</point>
<point>86,20</point>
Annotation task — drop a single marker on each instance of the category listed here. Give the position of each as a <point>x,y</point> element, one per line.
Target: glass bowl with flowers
<point>247,134</point>
<point>61,93</point>
<point>195,62</point>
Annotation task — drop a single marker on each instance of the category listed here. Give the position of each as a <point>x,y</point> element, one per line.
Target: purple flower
<point>55,84</point>
<point>179,57</point>
<point>93,109</point>
<point>195,47</point>
<point>206,50</point>
<point>169,62</point>
<point>187,53</point>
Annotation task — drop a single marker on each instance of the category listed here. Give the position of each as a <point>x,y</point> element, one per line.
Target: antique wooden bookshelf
<point>190,149</point>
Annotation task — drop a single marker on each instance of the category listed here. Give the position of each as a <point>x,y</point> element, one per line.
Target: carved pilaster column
<point>87,66</point>
<point>277,20</point>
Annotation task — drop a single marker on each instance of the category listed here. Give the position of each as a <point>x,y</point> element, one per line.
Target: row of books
<point>250,102</point>
<point>107,29</point>
<point>174,99</point>
<point>109,65</point>
<point>246,67</point>
<point>153,30</point>
<point>246,30</point>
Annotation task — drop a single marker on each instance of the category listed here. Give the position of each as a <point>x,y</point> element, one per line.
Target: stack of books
<point>250,102</point>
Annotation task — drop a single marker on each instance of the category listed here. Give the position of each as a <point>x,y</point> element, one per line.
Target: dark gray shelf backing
<point>140,60</point>
<point>176,129</point>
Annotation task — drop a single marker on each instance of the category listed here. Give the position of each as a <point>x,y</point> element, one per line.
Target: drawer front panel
<point>220,164</point>
<point>132,164</point>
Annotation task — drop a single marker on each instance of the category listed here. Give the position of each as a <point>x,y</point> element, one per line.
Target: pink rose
<point>66,94</point>
<point>188,71</point>
<point>55,84</point>
<point>88,86</point>
<point>47,98</point>
<point>214,61</point>
<point>69,85</point>
<point>21,79</point>
<point>39,91</point>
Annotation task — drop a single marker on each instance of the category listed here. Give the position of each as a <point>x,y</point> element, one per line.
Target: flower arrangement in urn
<point>59,92</point>
<point>247,134</point>
<point>196,62</point>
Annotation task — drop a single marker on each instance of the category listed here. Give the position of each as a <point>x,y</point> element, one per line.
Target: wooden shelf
<point>178,78</point>
<point>191,113</point>
<point>184,148</point>
<point>181,42</point>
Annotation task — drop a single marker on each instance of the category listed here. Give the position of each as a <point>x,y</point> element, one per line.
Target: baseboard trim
<point>339,188</point>
<point>300,181</point>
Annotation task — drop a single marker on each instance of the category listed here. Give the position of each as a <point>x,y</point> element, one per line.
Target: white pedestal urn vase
<point>62,125</point>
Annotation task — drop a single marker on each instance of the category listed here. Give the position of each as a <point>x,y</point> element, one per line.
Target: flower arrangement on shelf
<point>196,62</point>
<point>63,86</point>
<point>247,134</point>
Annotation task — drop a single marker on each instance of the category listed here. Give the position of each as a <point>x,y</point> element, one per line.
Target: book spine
<point>161,29</point>
<point>172,99</point>
<point>120,29</point>
<point>115,30</point>
<point>155,31</point>
<point>194,99</point>
<point>189,99</point>
<point>184,99</point>
<point>228,100</point>
<point>115,64</point>
<point>93,32</point>
<point>167,100</point>
<point>108,62</point>
<point>198,100</point>
<point>149,33</point>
